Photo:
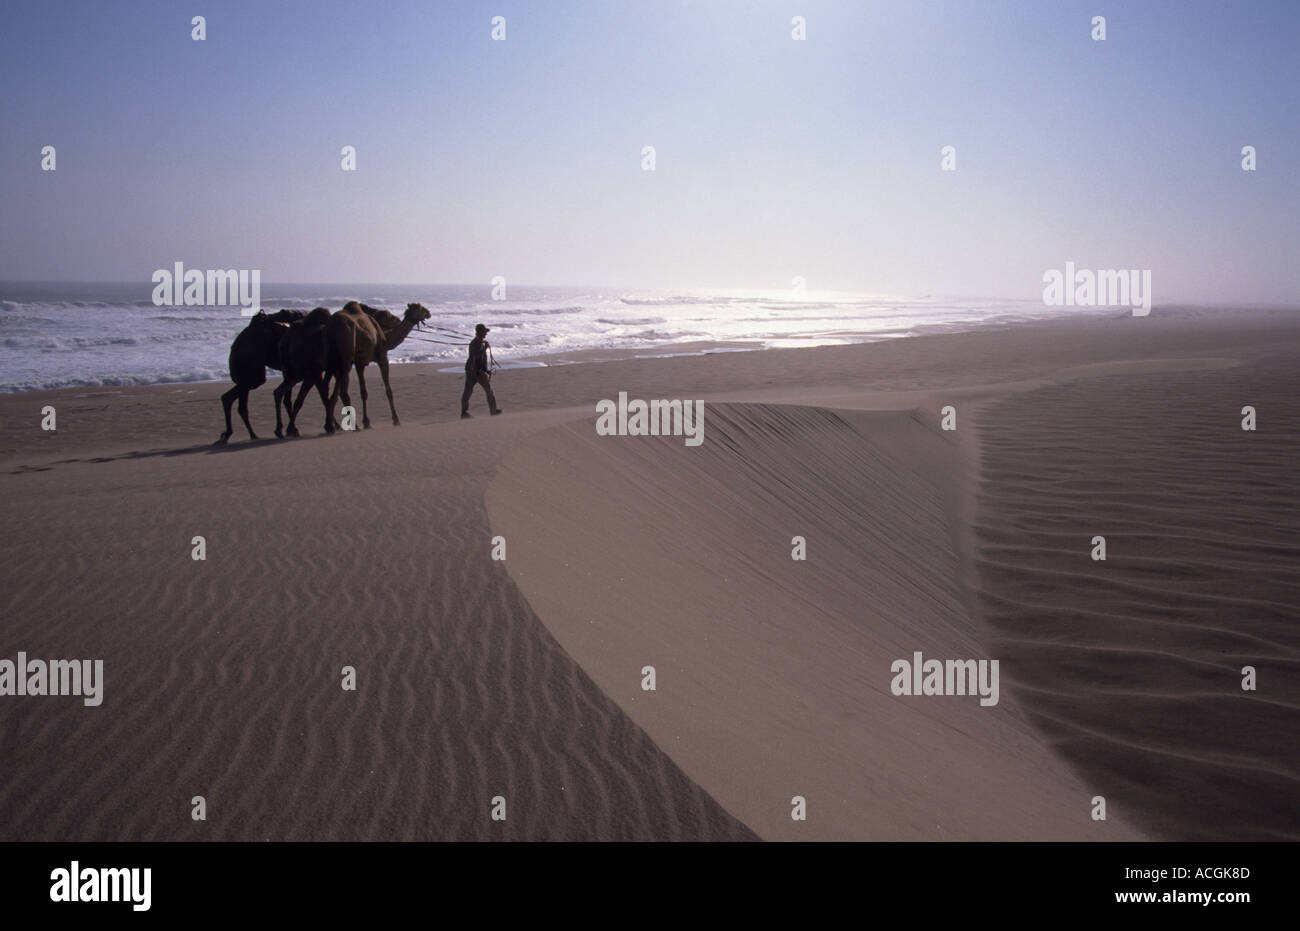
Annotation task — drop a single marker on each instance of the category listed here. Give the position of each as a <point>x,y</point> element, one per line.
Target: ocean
<point>58,335</point>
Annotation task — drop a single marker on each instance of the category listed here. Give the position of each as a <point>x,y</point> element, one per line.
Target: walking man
<point>477,372</point>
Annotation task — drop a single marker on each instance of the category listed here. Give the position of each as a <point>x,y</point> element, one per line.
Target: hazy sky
<point>775,157</point>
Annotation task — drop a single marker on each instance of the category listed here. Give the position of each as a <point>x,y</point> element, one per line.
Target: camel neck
<point>393,337</point>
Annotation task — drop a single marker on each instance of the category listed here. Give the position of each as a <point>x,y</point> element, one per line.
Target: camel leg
<point>383,373</point>
<point>307,384</point>
<point>227,400</point>
<point>288,409</point>
<point>281,390</point>
<point>324,386</point>
<point>330,425</point>
<point>341,390</point>
<point>243,412</point>
<point>365,411</point>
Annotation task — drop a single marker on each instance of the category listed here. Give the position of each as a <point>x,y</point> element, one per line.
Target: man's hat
<point>481,329</point>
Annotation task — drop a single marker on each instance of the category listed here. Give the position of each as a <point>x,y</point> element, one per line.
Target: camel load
<point>312,349</point>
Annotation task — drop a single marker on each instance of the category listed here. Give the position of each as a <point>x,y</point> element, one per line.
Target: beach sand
<point>521,679</point>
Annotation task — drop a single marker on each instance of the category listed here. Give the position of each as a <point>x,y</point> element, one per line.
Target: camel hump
<point>345,319</point>
<point>317,317</point>
<point>341,337</point>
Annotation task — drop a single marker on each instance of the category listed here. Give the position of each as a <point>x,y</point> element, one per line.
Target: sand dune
<point>223,677</point>
<point>1133,666</point>
<point>478,678</point>
<point>773,675</point>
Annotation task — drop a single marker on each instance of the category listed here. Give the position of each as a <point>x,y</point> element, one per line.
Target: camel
<point>302,359</point>
<point>256,347</point>
<point>356,336</point>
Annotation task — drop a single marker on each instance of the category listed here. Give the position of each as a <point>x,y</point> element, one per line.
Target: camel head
<point>416,313</point>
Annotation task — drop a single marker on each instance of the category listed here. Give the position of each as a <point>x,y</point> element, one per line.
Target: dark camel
<point>302,359</point>
<point>256,347</point>
<point>356,336</point>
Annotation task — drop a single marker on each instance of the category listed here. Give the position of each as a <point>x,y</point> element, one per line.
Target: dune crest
<point>773,674</point>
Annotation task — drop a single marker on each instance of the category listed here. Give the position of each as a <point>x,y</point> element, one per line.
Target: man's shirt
<point>478,360</point>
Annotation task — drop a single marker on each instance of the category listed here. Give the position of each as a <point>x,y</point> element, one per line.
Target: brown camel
<point>302,359</point>
<point>256,347</point>
<point>356,336</point>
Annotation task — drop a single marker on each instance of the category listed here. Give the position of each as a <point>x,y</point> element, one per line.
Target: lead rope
<point>492,359</point>
<point>441,342</point>
<point>430,339</point>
